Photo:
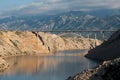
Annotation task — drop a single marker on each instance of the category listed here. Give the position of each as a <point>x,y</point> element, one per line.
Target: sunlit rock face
<point>80,43</point>
<point>3,65</point>
<point>14,43</point>
<point>108,50</point>
<point>18,43</point>
<point>52,42</point>
<point>57,43</point>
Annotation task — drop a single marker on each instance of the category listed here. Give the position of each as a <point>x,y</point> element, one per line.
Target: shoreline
<point>108,70</point>
<point>109,52</point>
<point>40,54</point>
<point>17,43</point>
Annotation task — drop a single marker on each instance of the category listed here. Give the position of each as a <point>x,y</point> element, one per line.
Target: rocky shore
<point>109,70</point>
<point>109,52</point>
<point>3,65</point>
<point>15,43</point>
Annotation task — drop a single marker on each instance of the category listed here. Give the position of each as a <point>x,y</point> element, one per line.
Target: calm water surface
<point>46,67</point>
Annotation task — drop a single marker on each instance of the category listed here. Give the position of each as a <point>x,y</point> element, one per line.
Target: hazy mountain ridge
<point>74,20</point>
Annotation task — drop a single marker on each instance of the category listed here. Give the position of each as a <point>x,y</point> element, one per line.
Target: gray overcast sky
<point>53,6</point>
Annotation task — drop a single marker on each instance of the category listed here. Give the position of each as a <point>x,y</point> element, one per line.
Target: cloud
<point>56,6</point>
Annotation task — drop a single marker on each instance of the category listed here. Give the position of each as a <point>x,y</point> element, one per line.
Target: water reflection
<point>45,67</point>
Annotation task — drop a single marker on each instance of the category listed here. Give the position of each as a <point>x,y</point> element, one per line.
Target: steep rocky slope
<point>17,43</point>
<point>108,50</point>
<point>81,43</point>
<point>56,43</point>
<point>109,70</point>
<point>14,43</point>
<point>3,65</point>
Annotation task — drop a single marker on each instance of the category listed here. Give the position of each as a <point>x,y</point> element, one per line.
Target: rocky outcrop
<point>56,43</point>
<point>109,70</point>
<point>80,43</point>
<point>3,65</point>
<point>52,42</point>
<point>21,43</point>
<point>108,50</point>
<point>14,43</point>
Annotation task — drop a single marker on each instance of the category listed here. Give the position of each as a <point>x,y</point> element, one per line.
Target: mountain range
<point>73,20</point>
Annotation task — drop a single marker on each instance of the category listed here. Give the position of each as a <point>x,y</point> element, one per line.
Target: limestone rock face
<point>14,43</point>
<point>20,43</point>
<point>3,65</point>
<point>80,43</point>
<point>108,50</point>
<point>57,43</point>
<point>28,42</point>
<point>52,42</point>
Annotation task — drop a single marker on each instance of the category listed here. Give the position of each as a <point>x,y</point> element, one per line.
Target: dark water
<point>46,67</point>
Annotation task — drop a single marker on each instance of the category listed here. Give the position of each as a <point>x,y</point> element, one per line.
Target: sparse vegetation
<point>1,43</point>
<point>18,32</point>
<point>64,39</point>
<point>80,40</point>
<point>14,43</point>
<point>25,52</point>
<point>1,33</point>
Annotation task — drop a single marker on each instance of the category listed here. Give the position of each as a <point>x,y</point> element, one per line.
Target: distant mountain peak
<point>65,21</point>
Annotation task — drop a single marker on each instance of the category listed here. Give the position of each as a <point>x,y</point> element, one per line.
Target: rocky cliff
<point>17,43</point>
<point>14,43</point>
<point>57,43</point>
<point>109,70</point>
<point>3,65</point>
<point>108,50</point>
